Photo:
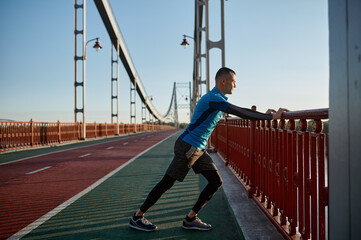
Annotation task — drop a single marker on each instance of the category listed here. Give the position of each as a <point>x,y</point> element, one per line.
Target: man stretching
<point>189,151</point>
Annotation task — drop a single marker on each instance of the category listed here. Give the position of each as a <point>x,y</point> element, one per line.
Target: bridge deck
<point>103,210</point>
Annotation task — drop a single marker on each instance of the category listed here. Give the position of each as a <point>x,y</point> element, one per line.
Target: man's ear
<point>223,80</point>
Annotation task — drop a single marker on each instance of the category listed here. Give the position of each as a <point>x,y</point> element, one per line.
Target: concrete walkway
<point>254,224</point>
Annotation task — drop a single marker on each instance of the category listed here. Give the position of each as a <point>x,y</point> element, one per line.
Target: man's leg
<point>214,183</point>
<point>164,185</point>
<point>176,171</point>
<point>138,221</point>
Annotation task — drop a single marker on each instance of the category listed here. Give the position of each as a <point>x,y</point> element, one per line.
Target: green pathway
<point>104,212</point>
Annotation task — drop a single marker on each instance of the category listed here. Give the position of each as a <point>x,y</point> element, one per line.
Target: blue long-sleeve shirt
<point>208,112</point>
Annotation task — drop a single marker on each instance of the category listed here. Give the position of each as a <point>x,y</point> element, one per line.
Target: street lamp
<point>97,45</point>
<point>151,116</point>
<point>196,72</point>
<point>185,42</point>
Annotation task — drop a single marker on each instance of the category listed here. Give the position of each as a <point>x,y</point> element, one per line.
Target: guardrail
<point>18,135</point>
<point>284,167</point>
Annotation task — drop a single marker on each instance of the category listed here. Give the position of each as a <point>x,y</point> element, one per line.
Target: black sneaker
<point>196,224</point>
<point>142,224</point>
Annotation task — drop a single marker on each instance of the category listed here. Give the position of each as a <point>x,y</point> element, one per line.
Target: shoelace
<point>200,221</point>
<point>145,221</point>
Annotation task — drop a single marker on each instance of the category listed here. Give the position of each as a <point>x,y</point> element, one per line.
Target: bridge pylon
<point>202,31</point>
<point>115,81</point>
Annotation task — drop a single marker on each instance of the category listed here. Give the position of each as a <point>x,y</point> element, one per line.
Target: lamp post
<point>144,108</point>
<point>97,47</point>
<point>196,71</point>
<point>150,115</point>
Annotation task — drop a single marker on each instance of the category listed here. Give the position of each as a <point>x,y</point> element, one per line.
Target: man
<point>189,150</point>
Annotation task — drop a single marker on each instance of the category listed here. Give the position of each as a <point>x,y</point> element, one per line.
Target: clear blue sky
<point>278,48</point>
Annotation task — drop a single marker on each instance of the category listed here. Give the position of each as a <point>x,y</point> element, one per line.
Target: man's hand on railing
<point>270,111</point>
<point>278,114</point>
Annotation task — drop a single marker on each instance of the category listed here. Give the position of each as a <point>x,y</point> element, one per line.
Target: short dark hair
<point>224,72</point>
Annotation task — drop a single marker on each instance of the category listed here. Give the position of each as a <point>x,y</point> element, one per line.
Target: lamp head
<point>97,45</point>
<point>185,42</point>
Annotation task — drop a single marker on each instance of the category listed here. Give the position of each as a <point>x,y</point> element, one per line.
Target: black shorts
<point>186,157</point>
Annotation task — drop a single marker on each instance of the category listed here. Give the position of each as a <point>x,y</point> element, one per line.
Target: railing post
<point>216,140</point>
<point>252,140</point>
<point>275,168</point>
<point>95,129</point>
<point>226,159</point>
<point>32,132</point>
<point>106,130</point>
<point>59,132</point>
<point>80,129</point>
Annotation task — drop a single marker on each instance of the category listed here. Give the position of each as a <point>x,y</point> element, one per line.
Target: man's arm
<point>247,113</point>
<point>254,115</point>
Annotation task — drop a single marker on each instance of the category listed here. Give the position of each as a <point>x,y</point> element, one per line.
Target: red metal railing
<point>284,168</point>
<point>17,135</point>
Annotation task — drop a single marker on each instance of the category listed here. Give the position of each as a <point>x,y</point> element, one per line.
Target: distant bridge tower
<point>184,91</point>
<point>180,99</point>
<point>176,119</point>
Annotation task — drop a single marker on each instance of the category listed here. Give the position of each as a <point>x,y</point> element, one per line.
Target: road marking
<point>85,155</point>
<point>125,143</point>
<point>62,206</point>
<point>39,170</point>
<point>142,138</point>
<point>109,148</point>
<point>135,141</point>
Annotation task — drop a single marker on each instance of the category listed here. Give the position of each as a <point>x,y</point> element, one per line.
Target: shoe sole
<point>142,229</point>
<point>196,228</point>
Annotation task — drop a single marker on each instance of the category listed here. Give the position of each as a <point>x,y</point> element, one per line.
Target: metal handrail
<point>284,169</point>
<point>321,113</point>
<point>19,135</point>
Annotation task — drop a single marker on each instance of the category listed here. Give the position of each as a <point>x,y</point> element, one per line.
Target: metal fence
<point>17,135</point>
<point>284,167</point>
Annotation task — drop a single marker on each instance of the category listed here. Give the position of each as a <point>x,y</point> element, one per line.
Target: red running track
<point>32,187</point>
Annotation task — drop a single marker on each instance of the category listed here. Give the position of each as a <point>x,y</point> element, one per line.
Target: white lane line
<point>142,138</point>
<point>62,206</point>
<point>135,141</point>
<point>125,143</point>
<point>109,148</point>
<point>85,155</point>
<point>39,170</point>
